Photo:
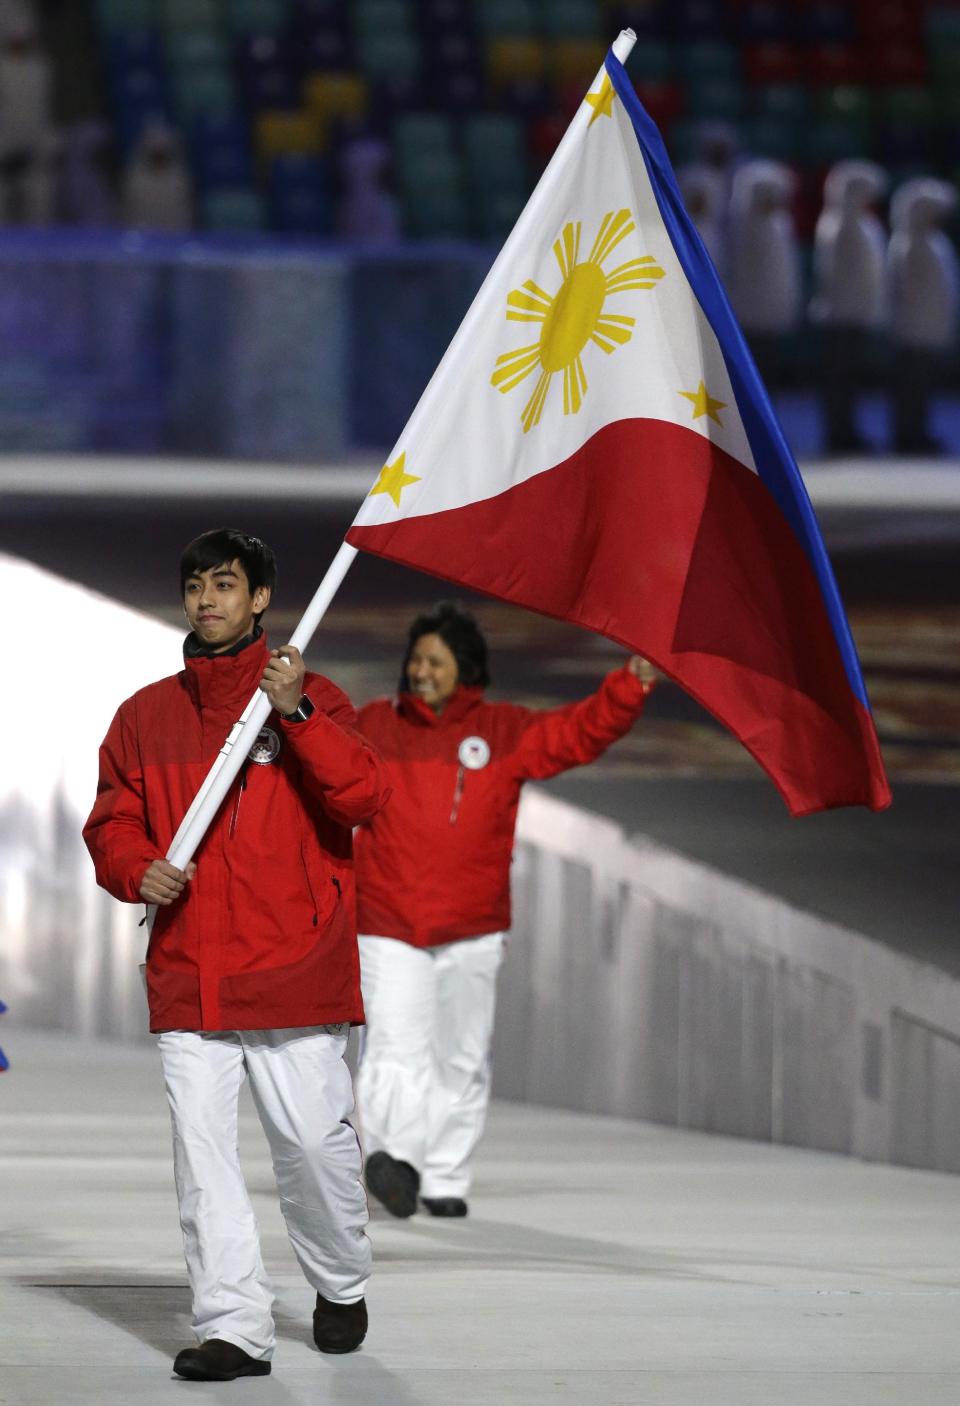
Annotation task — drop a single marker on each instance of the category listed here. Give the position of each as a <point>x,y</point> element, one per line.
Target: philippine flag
<point>597,445</point>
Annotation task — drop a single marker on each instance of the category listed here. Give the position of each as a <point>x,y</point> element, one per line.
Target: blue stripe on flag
<point>772,455</point>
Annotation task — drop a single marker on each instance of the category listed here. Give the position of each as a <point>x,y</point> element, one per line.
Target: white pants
<point>304,1098</point>
<point>424,1080</point>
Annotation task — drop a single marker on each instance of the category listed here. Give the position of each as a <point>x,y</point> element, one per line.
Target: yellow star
<point>393,480</point>
<point>602,101</point>
<point>704,404</point>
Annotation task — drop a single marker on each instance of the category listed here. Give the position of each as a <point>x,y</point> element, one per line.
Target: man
<point>252,967</point>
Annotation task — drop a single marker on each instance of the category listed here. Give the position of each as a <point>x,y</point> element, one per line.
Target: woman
<point>433,881</point>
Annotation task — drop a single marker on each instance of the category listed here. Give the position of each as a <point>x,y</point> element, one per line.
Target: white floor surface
<point>604,1262</point>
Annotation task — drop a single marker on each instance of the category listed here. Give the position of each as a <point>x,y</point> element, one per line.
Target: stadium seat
<point>333,97</point>
<point>197,48</point>
<point>314,14</point>
<point>287,134</point>
<point>133,48</point>
<point>653,61</point>
<point>760,21</point>
<point>256,16</point>
<point>889,19</point>
<point>425,149</point>
<point>509,59</point>
<point>430,175</point>
<point>452,69</point>
<point>241,209</point>
<point>715,98</point>
<point>898,62</point>
<point>138,87</point>
<point>463,90</point>
<point>496,211</point>
<point>912,107</point>
<point>435,210</point>
<point>189,14</point>
<point>575,61</point>
<point>774,137</point>
<point>299,196</point>
<point>524,98</point>
<point>328,47</point>
<point>906,118</point>
<point>495,142</point>
<point>788,102</point>
<point>827,22</point>
<point>392,93</point>
<point>260,49</point>
<point>829,140</point>
<point>695,20</point>
<point>118,15</point>
<point>452,48</point>
<point>389,54</point>
<point>197,91</point>
<point>266,88</point>
<point>445,14</point>
<point>578,19</point>
<point>773,62</point>
<point>544,135</point>
<point>683,142</point>
<point>709,61</point>
<point>382,17</point>
<point>847,103</point>
<point>507,17</point>
<point>220,152</point>
<point>132,118</point>
<point>497,171</point>
<point>833,64</point>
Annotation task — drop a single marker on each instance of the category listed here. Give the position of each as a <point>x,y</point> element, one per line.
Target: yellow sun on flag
<point>573,316</point>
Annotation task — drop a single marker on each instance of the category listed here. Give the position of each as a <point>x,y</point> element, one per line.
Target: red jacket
<point>434,864</point>
<point>264,937</point>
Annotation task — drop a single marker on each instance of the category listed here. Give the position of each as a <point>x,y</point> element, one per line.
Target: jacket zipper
<point>457,795</point>
<point>236,805</point>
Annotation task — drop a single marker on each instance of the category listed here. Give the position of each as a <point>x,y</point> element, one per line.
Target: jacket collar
<point>225,680</point>
<point>459,705</point>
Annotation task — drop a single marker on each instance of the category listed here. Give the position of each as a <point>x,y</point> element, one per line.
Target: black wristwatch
<point>301,712</point>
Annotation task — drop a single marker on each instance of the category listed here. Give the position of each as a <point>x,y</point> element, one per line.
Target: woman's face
<point>432,671</point>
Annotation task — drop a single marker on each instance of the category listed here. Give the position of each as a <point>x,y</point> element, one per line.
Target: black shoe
<point>217,1361</point>
<point>393,1183</point>
<point>445,1205</point>
<point>339,1327</point>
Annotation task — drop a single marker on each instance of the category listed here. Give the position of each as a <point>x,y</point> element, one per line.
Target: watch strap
<point>301,712</point>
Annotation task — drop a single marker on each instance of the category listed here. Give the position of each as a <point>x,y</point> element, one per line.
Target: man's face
<point>220,607</point>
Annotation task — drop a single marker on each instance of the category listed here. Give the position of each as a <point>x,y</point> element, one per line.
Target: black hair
<point>223,545</point>
<point>462,636</point>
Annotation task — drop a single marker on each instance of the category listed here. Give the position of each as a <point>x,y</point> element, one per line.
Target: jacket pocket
<point>312,892</point>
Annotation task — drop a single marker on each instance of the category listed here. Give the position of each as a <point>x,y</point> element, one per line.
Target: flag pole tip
<point>623,43</point>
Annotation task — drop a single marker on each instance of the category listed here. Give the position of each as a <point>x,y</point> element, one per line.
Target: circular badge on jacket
<point>474,753</point>
<point>266,749</point>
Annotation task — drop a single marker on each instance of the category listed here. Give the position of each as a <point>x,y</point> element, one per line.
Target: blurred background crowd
<point>817,144</point>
